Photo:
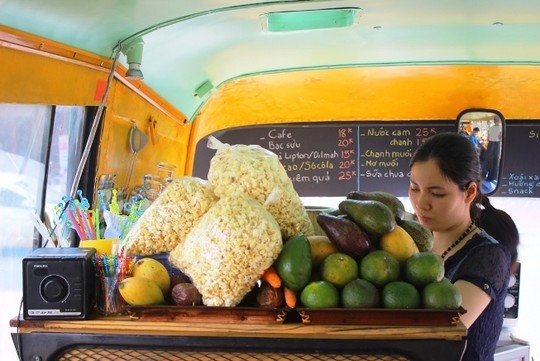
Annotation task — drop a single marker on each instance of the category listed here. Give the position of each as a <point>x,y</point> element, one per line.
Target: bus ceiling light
<point>310,19</point>
<point>133,52</point>
<point>203,89</point>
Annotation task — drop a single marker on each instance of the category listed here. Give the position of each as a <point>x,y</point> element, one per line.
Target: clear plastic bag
<point>171,217</point>
<point>228,250</point>
<point>259,173</point>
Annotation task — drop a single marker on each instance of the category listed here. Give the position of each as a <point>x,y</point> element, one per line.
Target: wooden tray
<point>206,314</point>
<point>381,316</point>
<point>326,316</point>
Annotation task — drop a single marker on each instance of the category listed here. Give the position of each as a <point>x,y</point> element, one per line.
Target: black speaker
<point>59,283</point>
<point>511,302</point>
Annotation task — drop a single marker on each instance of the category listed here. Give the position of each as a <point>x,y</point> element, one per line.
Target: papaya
<point>348,237</point>
<point>294,264</point>
<point>420,234</point>
<point>391,201</point>
<point>374,217</point>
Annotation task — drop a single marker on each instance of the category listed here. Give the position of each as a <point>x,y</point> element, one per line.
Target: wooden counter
<point>122,338</point>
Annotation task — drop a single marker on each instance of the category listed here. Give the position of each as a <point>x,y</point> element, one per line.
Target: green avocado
<point>294,262</point>
<point>391,201</point>
<point>374,217</point>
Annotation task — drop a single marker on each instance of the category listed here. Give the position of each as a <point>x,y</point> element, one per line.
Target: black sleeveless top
<point>485,263</point>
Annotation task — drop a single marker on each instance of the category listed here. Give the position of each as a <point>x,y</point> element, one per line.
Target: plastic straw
<point>74,224</point>
<point>96,223</point>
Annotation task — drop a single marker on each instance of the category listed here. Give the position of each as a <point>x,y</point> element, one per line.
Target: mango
<point>154,270</point>
<point>399,244</point>
<point>294,263</point>
<point>374,217</point>
<point>420,234</point>
<point>321,247</point>
<point>140,291</point>
<point>348,237</point>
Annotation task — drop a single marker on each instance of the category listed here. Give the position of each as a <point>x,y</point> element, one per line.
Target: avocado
<point>374,217</point>
<point>348,237</point>
<point>294,262</point>
<point>391,201</point>
<point>420,234</point>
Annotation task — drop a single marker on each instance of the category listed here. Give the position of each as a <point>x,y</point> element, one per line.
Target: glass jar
<point>166,172</point>
<point>152,186</point>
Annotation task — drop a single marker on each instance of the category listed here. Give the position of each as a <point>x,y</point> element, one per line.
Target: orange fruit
<point>320,294</point>
<point>360,293</point>
<point>423,268</point>
<point>400,294</point>
<point>339,269</point>
<point>379,267</point>
<point>442,294</point>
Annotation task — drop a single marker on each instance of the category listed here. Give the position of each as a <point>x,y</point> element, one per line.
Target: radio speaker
<point>511,302</point>
<point>59,283</point>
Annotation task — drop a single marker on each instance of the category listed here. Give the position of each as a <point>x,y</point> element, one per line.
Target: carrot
<point>271,276</point>
<point>290,297</point>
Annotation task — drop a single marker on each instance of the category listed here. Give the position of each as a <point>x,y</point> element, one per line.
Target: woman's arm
<point>474,300</point>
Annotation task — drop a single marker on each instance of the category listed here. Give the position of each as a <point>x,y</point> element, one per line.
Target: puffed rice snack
<point>259,173</point>
<point>228,250</point>
<point>170,218</point>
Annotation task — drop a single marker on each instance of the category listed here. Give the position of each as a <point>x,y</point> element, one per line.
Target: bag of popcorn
<point>169,219</point>
<point>228,250</point>
<point>259,173</point>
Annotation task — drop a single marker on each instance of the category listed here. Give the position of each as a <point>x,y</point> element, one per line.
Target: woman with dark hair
<point>445,194</point>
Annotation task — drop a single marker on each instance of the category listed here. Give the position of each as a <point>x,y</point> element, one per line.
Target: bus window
<point>485,130</point>
<point>39,150</point>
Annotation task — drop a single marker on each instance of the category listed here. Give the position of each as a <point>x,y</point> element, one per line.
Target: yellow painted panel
<point>39,79</point>
<point>370,93</point>
<point>125,110</point>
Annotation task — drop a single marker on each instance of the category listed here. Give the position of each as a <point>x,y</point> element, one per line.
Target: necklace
<point>458,241</point>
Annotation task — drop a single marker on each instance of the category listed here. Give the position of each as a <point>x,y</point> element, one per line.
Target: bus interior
<point>108,92</point>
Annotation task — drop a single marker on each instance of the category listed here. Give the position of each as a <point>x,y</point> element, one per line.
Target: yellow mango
<point>140,291</point>
<point>154,270</point>
<point>321,247</point>
<point>399,244</point>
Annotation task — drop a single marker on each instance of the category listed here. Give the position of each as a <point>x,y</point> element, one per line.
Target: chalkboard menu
<point>332,159</point>
<point>520,175</point>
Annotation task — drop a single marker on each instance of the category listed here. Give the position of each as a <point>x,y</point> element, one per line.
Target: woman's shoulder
<point>482,240</point>
<point>484,261</point>
<point>484,252</point>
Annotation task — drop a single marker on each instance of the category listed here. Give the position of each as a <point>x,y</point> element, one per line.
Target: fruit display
<point>381,259</point>
<point>371,256</point>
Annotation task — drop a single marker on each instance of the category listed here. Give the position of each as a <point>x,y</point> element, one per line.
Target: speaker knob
<point>54,288</point>
<point>512,281</point>
<point>509,301</point>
